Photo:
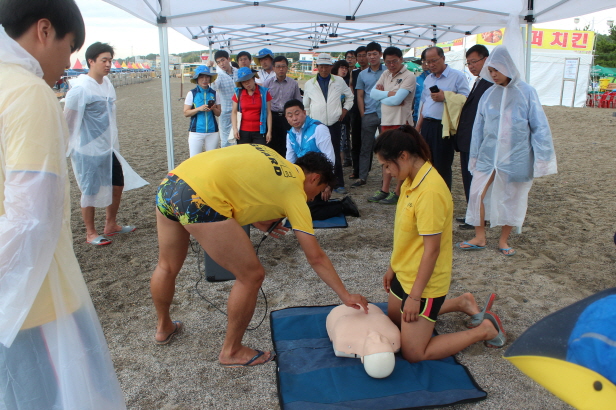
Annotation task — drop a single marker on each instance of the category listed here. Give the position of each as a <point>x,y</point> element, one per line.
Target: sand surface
<point>565,253</point>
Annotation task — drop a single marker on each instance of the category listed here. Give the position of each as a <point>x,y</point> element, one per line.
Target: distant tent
<point>124,65</point>
<point>117,65</point>
<point>77,66</point>
<point>140,65</point>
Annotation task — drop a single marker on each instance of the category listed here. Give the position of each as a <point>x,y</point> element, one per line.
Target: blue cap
<point>243,74</point>
<point>264,52</point>
<point>203,70</point>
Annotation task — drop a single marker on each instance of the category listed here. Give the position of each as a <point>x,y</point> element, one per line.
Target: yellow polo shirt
<point>249,183</point>
<point>425,208</point>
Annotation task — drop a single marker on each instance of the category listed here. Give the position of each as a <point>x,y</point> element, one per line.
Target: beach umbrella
<point>598,71</point>
<point>572,352</point>
<point>77,65</point>
<point>413,67</point>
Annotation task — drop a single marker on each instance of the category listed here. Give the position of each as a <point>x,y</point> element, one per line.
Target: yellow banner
<point>547,39</point>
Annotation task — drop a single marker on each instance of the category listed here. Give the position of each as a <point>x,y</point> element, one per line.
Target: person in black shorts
<point>100,170</point>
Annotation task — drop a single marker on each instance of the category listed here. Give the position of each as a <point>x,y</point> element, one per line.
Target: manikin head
<point>378,359</point>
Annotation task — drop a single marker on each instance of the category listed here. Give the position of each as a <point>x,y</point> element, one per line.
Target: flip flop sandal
<point>500,340</point>
<point>251,361</point>
<point>505,250</point>
<point>125,229</point>
<point>477,318</point>
<point>470,246</point>
<point>179,327</point>
<point>100,240</point>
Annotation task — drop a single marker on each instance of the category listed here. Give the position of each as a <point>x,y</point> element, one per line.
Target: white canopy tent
<point>336,25</point>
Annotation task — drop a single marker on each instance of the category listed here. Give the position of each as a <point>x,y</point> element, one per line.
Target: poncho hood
<point>12,53</point>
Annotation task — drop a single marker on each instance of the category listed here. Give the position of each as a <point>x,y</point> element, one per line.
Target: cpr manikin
<point>373,337</point>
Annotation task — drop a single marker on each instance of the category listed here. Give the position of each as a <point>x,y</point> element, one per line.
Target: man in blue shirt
<point>369,109</point>
<point>432,104</point>
<point>419,87</point>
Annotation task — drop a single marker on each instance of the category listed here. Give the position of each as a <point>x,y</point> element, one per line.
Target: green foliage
<point>605,49</point>
<point>151,56</point>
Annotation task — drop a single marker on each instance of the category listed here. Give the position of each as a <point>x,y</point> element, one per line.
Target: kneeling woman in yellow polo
<point>419,273</point>
<point>210,196</point>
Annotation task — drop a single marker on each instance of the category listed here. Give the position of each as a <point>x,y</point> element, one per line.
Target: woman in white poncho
<point>511,145</point>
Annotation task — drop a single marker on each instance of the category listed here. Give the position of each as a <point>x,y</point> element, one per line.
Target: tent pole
<point>164,59</point>
<point>529,36</point>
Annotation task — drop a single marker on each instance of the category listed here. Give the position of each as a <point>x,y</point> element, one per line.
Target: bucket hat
<point>243,74</point>
<point>324,59</point>
<point>264,52</point>
<point>203,70</point>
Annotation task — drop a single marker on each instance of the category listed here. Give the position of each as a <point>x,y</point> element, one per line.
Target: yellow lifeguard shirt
<point>425,208</point>
<point>249,183</point>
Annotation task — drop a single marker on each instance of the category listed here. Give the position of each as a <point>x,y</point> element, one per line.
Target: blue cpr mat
<point>333,222</point>
<point>311,377</point>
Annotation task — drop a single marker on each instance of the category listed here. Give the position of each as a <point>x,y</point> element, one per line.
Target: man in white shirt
<point>324,102</point>
<point>225,86</point>
<point>265,59</point>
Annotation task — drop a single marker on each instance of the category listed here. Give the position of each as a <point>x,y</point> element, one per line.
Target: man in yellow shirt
<point>53,354</point>
<point>210,196</point>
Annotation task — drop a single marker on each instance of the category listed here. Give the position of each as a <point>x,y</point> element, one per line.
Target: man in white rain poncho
<point>53,354</point>
<point>101,172</point>
<point>511,145</point>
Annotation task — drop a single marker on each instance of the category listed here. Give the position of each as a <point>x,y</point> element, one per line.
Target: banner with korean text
<point>576,40</point>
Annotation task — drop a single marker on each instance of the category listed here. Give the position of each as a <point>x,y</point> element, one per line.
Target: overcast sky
<point>132,36</point>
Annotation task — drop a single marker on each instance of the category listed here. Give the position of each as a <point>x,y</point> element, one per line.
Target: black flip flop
<point>251,361</point>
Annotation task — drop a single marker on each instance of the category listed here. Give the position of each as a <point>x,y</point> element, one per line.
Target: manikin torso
<point>373,337</point>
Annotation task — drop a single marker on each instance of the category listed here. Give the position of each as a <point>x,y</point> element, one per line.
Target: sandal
<point>477,318</point>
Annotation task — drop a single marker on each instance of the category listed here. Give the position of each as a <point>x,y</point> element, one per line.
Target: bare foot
<point>504,248</point>
<point>164,332</point>
<point>112,229</point>
<point>244,355</point>
<point>490,331</point>
<point>474,241</point>
<point>469,304</point>
<point>91,236</point>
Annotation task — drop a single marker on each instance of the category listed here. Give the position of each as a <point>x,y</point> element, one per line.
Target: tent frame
<point>335,30</point>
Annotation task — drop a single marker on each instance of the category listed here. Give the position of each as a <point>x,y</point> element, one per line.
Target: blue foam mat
<point>311,377</point>
<point>333,222</point>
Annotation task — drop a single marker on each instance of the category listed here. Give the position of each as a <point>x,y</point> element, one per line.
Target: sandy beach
<point>565,253</point>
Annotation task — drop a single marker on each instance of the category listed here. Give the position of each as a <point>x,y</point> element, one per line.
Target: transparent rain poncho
<point>53,354</point>
<point>513,141</point>
<point>91,116</point>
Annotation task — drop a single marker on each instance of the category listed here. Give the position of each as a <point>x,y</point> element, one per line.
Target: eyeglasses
<point>473,62</point>
<point>392,62</point>
<point>433,61</point>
